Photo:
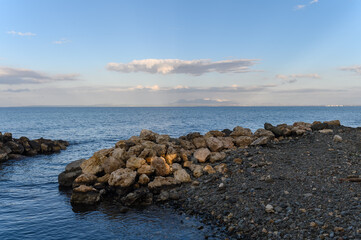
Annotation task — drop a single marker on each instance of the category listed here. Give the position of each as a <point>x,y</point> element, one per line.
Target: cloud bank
<point>22,34</point>
<point>355,68</point>
<point>187,89</point>
<point>25,76</point>
<point>177,66</point>
<point>292,78</point>
<point>204,102</point>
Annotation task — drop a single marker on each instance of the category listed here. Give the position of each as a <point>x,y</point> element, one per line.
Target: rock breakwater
<point>12,148</point>
<point>255,185</point>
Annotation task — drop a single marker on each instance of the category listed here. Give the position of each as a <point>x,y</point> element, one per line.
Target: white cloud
<point>15,90</point>
<point>187,89</point>
<point>292,78</point>
<point>21,33</point>
<point>355,68</point>
<point>61,41</point>
<point>177,66</point>
<point>299,7</point>
<point>26,76</point>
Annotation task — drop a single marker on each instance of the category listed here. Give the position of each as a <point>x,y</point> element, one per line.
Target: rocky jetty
<point>285,181</point>
<point>11,148</point>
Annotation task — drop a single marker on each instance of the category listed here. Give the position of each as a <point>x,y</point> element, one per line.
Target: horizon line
<point>165,106</point>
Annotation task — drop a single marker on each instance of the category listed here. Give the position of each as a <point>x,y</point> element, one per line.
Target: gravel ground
<point>299,188</point>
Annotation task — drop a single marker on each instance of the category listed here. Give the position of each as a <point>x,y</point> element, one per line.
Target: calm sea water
<point>32,207</point>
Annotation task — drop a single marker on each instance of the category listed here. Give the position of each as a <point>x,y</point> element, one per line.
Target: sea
<point>33,207</point>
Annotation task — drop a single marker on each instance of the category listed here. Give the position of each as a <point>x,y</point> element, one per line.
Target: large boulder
<point>6,137</point>
<point>243,141</point>
<point>85,195</point>
<point>146,169</point>
<point>217,156</point>
<point>148,135</point>
<point>333,123</point>
<point>261,141</point>
<point>135,162</point>
<point>111,164</point>
<point>171,155</point>
<point>16,148</point>
<point>94,165</point>
<point>228,142</point>
<point>264,133</point>
<point>214,144</point>
<point>240,131</point>
<point>85,179</point>
<point>160,166</point>
<point>3,156</point>
<point>123,177</point>
<point>199,142</point>
<point>202,154</point>
<point>182,176</point>
<point>160,182</point>
<point>72,171</point>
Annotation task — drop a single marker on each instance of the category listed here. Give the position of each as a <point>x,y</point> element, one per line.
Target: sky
<point>180,53</point>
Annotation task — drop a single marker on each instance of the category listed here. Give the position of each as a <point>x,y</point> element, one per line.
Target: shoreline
<point>236,179</point>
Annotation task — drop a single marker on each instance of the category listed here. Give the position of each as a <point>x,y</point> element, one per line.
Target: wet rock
<point>85,195</point>
<point>16,148</point>
<point>214,144</point>
<point>139,197</point>
<point>202,154</point>
<point>123,177</point>
<point>72,171</point>
<point>3,156</point>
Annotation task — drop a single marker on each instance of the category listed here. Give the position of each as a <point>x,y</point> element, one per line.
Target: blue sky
<point>171,53</point>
